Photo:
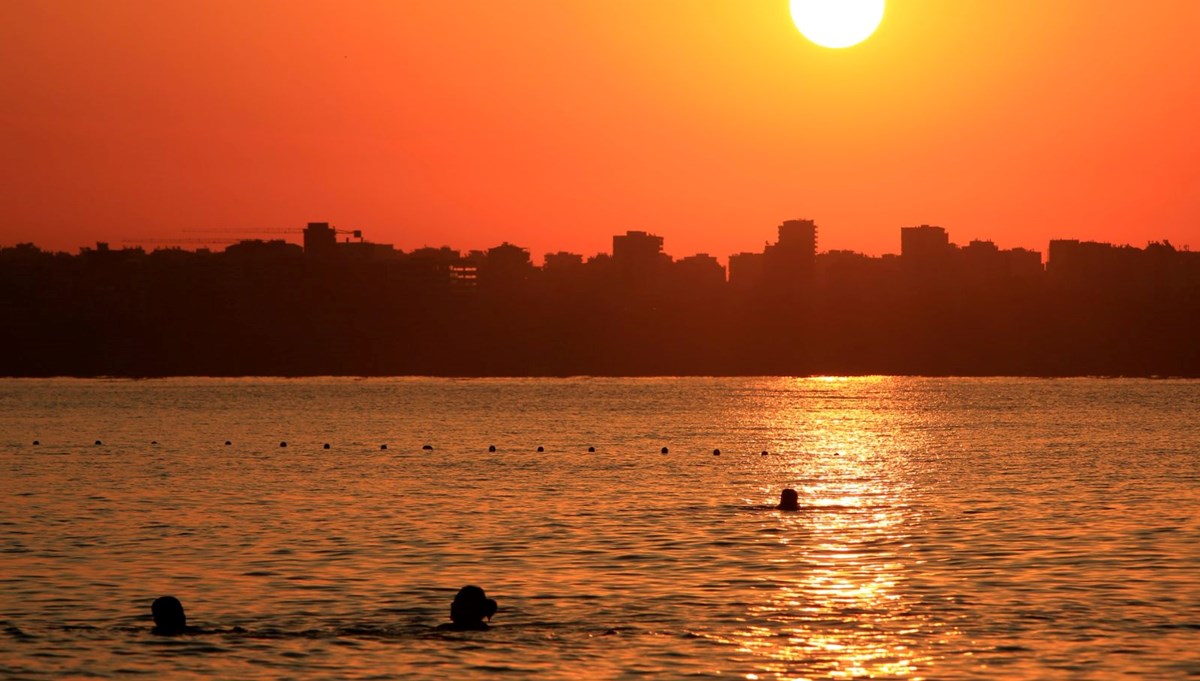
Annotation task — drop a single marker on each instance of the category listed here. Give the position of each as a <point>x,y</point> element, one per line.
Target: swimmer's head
<point>789,500</point>
<point>168,615</point>
<point>471,605</point>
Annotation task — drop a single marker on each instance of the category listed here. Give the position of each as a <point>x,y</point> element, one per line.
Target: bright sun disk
<point>837,23</point>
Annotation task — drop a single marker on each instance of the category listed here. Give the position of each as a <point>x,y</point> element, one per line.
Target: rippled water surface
<point>992,528</point>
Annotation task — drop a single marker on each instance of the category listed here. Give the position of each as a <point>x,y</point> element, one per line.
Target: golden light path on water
<point>845,611</point>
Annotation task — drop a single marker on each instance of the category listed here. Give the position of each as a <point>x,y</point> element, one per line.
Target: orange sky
<point>554,124</point>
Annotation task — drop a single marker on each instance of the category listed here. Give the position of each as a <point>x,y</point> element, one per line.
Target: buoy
<point>491,448</point>
<point>665,450</point>
<point>383,446</point>
<point>428,448</point>
<point>716,452</point>
<point>591,449</point>
<point>282,444</point>
<point>541,448</point>
<point>326,446</point>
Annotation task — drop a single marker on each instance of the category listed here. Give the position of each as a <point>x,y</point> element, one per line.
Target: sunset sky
<point>554,124</point>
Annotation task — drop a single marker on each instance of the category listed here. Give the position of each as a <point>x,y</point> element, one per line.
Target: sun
<point>837,23</point>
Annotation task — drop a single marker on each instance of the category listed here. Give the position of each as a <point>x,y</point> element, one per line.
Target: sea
<point>948,528</point>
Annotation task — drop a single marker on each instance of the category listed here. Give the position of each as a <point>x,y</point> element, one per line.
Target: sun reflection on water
<point>839,608</point>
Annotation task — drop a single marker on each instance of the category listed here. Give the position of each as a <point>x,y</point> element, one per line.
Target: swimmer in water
<point>789,500</point>
<point>169,619</point>
<point>470,607</point>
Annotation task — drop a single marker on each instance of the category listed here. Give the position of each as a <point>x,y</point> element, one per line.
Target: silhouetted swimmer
<point>99,442</point>
<point>383,446</point>
<point>789,500</point>
<point>541,448</point>
<point>36,443</point>
<point>590,449</point>
<point>228,443</point>
<point>665,450</point>
<point>764,452</point>
<point>428,448</point>
<point>169,619</point>
<point>470,607</point>
<point>491,448</point>
<point>154,442</point>
<point>283,444</point>
<point>716,452</point>
<point>325,446</point>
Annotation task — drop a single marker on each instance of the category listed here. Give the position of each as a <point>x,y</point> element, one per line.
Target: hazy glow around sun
<point>837,23</point>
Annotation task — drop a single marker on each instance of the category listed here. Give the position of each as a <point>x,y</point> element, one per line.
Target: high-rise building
<point>789,264</point>
<point>320,240</point>
<point>505,264</point>
<point>639,255</point>
<point>798,238</point>
<point>562,261</point>
<point>924,243</point>
<point>926,254</point>
<point>700,271</point>
<point>745,271</point>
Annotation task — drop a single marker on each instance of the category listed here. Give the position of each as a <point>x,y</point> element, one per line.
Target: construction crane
<point>356,233</point>
<point>238,234</point>
<point>173,242</point>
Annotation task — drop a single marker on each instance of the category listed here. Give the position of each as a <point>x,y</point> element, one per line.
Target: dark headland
<point>345,306</point>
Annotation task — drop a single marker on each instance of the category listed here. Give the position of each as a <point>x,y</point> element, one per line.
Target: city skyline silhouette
<point>341,305</point>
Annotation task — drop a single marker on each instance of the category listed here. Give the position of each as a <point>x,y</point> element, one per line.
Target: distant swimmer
<point>36,443</point>
<point>590,449</point>
<point>99,442</point>
<point>228,443</point>
<point>491,448</point>
<point>716,452</point>
<point>789,500</point>
<point>665,450</point>
<point>169,619</point>
<point>383,447</point>
<point>470,607</point>
<point>283,444</point>
<point>428,448</point>
<point>541,448</point>
<point>326,446</point>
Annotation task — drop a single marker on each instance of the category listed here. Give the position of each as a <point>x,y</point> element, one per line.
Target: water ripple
<point>950,528</point>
